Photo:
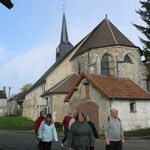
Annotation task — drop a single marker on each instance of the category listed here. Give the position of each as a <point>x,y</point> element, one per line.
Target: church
<point>103,71</point>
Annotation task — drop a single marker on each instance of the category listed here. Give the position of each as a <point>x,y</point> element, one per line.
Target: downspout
<point>51,103</point>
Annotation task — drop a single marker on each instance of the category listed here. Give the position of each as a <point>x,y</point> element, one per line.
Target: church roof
<point>104,35</point>
<point>3,95</point>
<point>92,40</point>
<point>63,86</point>
<point>112,87</point>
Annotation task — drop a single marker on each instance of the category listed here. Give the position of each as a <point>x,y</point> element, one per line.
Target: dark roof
<point>63,86</point>
<point>104,35</point>
<point>112,87</point>
<point>3,95</point>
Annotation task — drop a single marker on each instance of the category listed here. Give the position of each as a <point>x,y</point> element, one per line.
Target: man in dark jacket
<point>65,124</point>
<point>37,125</point>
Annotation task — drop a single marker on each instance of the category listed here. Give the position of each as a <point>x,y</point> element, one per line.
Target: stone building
<point>14,104</point>
<point>104,51</point>
<point>96,94</point>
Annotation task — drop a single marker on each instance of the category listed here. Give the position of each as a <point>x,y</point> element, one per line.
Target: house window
<point>127,59</point>
<point>107,65</point>
<point>133,107</point>
<point>80,68</point>
<point>86,93</point>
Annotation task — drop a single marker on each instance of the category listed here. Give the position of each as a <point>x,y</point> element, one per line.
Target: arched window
<point>132,107</point>
<point>107,65</point>
<point>127,59</point>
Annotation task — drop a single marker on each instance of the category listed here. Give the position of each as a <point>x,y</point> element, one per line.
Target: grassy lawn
<point>15,122</point>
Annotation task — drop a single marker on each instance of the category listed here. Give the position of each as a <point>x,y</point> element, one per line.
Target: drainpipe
<point>51,103</point>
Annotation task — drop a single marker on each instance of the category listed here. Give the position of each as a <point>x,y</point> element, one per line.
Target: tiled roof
<point>104,35</point>
<point>3,95</point>
<point>63,86</point>
<point>112,87</point>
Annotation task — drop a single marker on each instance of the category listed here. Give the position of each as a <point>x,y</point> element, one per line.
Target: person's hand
<point>122,140</point>
<point>107,142</point>
<point>70,148</point>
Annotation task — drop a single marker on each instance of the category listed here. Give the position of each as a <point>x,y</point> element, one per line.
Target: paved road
<point>21,140</point>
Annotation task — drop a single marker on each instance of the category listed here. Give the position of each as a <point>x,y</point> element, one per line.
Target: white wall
<point>133,120</point>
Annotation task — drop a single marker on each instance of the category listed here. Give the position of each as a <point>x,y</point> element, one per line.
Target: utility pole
<point>9,88</point>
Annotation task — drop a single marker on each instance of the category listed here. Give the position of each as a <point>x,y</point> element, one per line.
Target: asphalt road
<point>21,140</point>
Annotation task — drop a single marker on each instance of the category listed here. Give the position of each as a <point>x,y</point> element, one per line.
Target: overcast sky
<point>30,33</point>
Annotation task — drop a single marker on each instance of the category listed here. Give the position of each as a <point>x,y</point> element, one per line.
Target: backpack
<point>109,119</point>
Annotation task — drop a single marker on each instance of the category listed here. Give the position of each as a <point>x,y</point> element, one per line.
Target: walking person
<point>65,124</point>
<point>73,119</point>
<point>47,132</point>
<point>113,131</point>
<point>37,125</point>
<point>80,135</point>
<point>92,125</point>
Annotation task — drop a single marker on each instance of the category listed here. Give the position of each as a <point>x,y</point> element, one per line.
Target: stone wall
<point>91,61</point>
<point>3,107</point>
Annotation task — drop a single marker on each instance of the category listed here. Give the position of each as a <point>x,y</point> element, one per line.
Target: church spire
<point>64,45</point>
<point>64,34</point>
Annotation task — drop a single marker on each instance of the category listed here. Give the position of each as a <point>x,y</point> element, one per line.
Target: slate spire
<point>64,45</point>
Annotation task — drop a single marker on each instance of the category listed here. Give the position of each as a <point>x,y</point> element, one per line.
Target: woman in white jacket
<point>47,132</point>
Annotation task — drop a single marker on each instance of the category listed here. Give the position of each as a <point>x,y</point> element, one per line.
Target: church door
<point>91,108</point>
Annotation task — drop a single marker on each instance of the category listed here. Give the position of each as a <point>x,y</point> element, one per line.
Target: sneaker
<point>61,144</point>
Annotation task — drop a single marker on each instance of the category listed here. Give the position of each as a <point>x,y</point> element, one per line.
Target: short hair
<point>87,115</point>
<point>42,112</point>
<point>49,115</point>
<point>77,115</point>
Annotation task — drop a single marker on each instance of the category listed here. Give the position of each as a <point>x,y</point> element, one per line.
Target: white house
<point>3,102</point>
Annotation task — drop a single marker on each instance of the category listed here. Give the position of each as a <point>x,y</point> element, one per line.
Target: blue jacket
<point>47,132</point>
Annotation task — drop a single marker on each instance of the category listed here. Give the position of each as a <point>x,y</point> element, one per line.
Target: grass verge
<point>137,133</point>
<point>15,122</point>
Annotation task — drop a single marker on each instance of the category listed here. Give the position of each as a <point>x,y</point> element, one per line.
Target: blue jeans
<point>66,132</point>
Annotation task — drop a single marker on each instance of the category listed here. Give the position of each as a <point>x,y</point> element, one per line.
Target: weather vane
<point>63,8</point>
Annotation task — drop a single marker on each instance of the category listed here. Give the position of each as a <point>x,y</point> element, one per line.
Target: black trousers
<point>114,145</point>
<point>46,145</point>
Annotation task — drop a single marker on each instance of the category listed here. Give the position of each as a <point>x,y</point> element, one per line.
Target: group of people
<point>80,131</point>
